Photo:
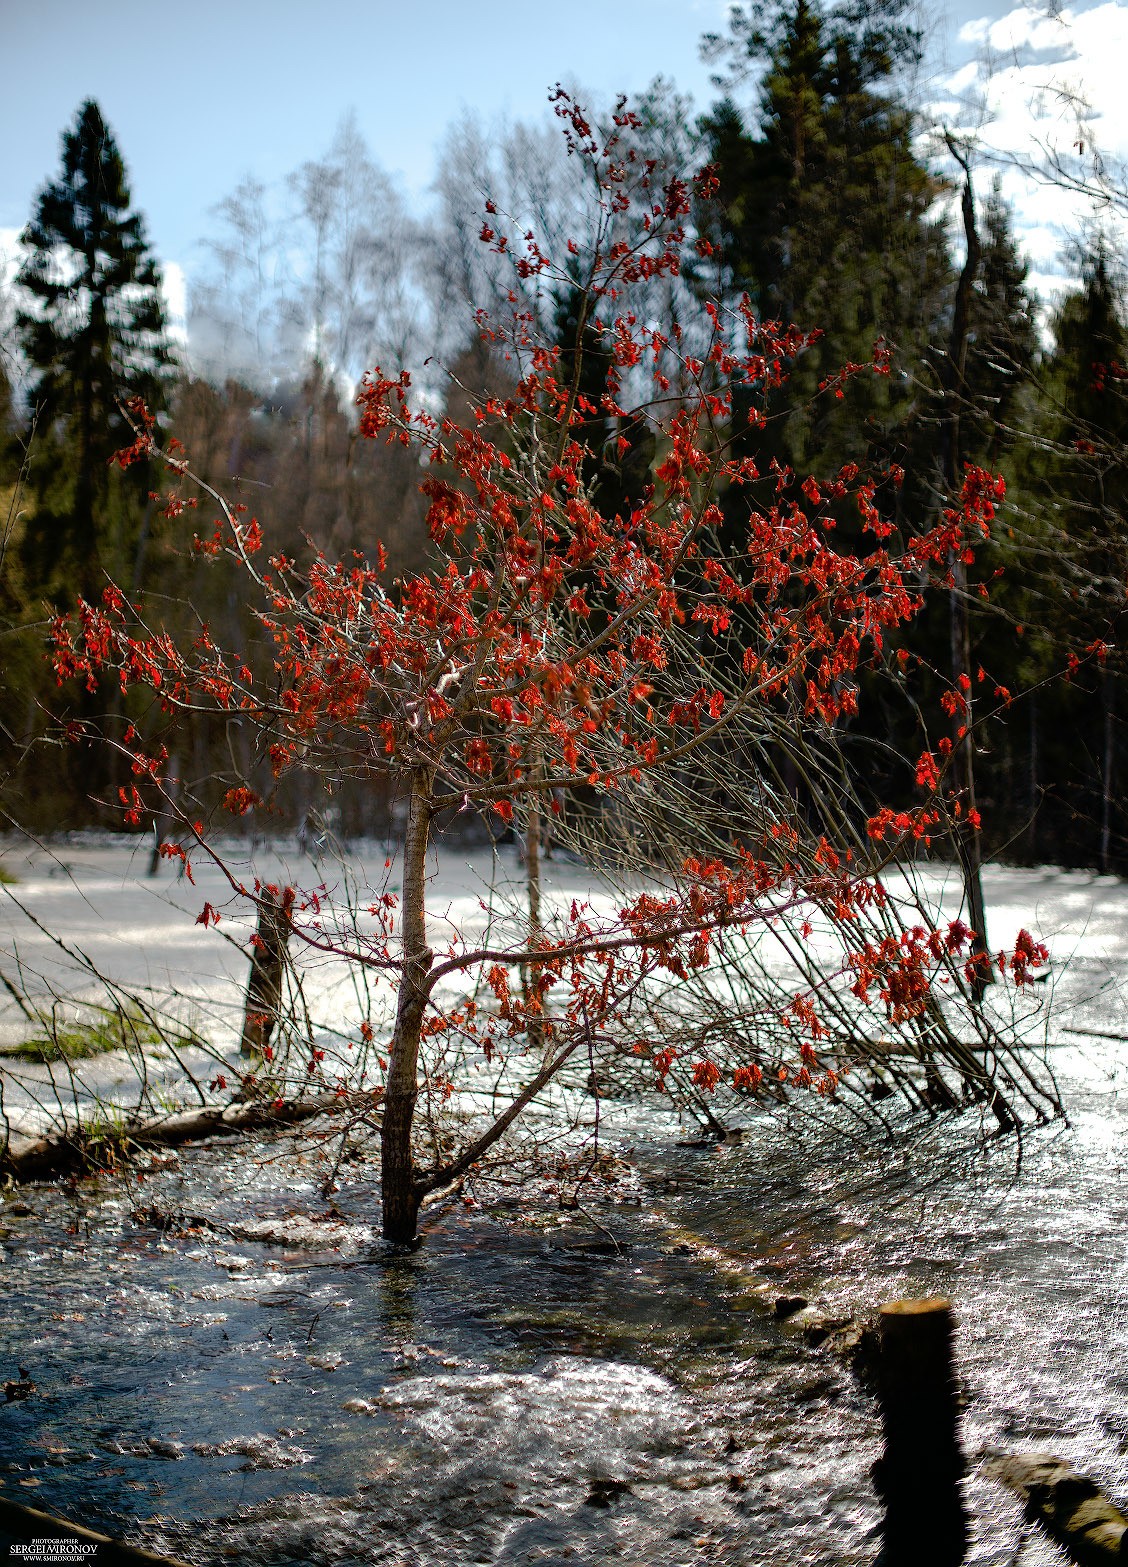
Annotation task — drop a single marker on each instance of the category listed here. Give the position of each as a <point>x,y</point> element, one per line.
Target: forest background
<point>845,202</point>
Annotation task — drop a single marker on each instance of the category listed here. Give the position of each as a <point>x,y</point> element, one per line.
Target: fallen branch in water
<point>34,1156</point>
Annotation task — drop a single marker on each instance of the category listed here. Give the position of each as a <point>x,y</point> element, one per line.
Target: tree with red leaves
<point>556,650</point>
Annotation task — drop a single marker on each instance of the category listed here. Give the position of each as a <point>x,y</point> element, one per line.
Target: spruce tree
<point>822,216</point>
<point>822,213</point>
<point>92,328</point>
<point>1002,349</point>
<point>1086,502</point>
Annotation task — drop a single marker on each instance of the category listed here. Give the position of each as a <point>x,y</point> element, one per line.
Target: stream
<point>230,1366</point>
<point>534,1385</point>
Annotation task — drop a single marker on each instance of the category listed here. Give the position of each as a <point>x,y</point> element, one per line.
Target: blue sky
<point>200,94</point>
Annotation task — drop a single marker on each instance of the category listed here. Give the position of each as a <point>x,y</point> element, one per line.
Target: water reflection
<point>395,1293</point>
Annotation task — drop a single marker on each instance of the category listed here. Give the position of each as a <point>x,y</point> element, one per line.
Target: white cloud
<point>176,301</point>
<point>1026,27</point>
<point>175,287</point>
<point>1047,87</point>
<point>9,256</point>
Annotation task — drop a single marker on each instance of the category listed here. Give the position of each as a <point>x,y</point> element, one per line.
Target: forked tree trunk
<point>400,1191</point>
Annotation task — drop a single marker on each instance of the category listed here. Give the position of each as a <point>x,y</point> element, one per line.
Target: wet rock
<point>360,1406</point>
<point>859,1343</point>
<point>841,1335</point>
<point>16,1391</point>
<point>303,1233</point>
<point>788,1305</point>
<point>1070,1506</point>
<point>260,1451</point>
<point>143,1447</point>
<point>604,1493</point>
<point>162,1449</point>
<point>233,1262</point>
<point>821,1389</point>
<point>64,1457</point>
<point>325,1362</point>
<point>813,1325</point>
<point>582,1248</point>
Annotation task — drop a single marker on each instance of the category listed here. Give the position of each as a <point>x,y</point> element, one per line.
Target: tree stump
<point>268,965</point>
<point>918,1475</point>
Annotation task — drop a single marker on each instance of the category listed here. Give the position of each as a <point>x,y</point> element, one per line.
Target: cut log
<point>918,1475</point>
<point>1072,1509</point>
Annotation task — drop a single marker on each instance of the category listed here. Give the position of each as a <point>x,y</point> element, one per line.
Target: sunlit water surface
<point>602,1385</point>
<point>534,1386</point>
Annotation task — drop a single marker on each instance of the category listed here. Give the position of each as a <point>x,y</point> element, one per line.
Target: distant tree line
<point>824,214</point>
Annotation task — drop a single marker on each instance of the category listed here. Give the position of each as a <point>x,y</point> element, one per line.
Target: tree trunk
<point>166,818</point>
<point>963,754</point>
<point>1032,833</point>
<point>400,1192</point>
<point>963,759</point>
<point>34,1156</point>
<point>1108,702</point>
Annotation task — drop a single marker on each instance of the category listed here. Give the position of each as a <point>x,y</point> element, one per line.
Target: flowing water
<point>542,1386</point>
<point>229,1366</point>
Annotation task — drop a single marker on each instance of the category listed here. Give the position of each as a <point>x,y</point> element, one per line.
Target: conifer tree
<point>822,212</point>
<point>1086,499</point>
<point>1002,342</point>
<point>92,328</point>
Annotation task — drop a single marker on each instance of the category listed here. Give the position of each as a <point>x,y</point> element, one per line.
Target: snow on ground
<point>84,924</point>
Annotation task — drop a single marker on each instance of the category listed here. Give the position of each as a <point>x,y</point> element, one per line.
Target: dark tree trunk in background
<point>963,750</point>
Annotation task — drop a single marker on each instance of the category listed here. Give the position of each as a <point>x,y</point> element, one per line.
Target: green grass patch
<point>112,1028</point>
